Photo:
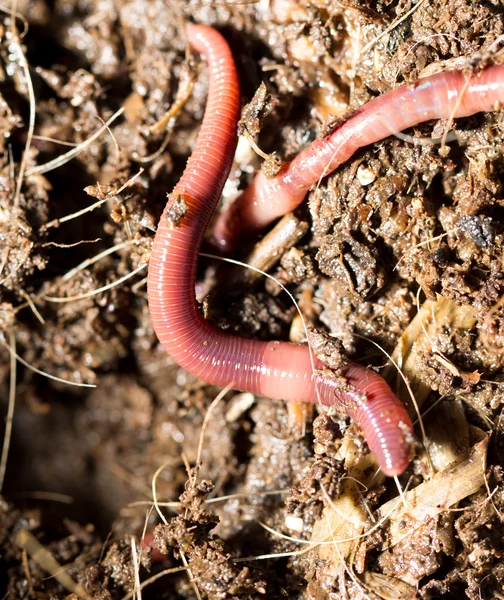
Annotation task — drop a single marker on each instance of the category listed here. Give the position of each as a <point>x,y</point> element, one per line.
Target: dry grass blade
<point>40,555</point>
<point>176,505</point>
<point>47,496</point>
<point>163,518</point>
<point>254,146</point>
<point>184,91</point>
<point>31,122</point>
<point>229,4</point>
<point>347,567</point>
<point>432,497</point>
<point>136,286</point>
<point>206,420</point>
<point>90,208</point>
<point>104,288</point>
<point>143,549</point>
<point>12,11</point>
<point>137,591</point>
<point>154,491</point>
<point>114,141</point>
<point>344,521</point>
<point>272,555</point>
<point>44,138</point>
<point>64,158</point>
<point>39,372</point>
<point>34,310</point>
<point>10,411</point>
<point>388,588</point>
<point>90,261</point>
<point>191,576</point>
<point>448,136</point>
<point>330,532</point>
<point>392,26</point>
<point>147,582</point>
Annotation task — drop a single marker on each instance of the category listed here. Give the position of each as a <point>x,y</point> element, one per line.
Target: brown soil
<point>402,227</point>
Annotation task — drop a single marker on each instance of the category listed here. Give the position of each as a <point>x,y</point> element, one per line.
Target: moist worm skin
<point>444,95</point>
<point>275,369</point>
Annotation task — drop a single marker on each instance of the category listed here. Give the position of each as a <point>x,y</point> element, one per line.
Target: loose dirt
<point>399,251</point>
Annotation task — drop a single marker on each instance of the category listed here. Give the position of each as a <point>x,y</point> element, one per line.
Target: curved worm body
<point>275,369</point>
<point>444,95</point>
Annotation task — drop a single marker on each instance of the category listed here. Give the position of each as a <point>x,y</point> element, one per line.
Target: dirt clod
<point>177,211</point>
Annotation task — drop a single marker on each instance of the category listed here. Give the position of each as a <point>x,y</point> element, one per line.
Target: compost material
<point>144,486</point>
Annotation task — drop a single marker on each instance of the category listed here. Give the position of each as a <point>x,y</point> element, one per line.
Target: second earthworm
<point>450,94</point>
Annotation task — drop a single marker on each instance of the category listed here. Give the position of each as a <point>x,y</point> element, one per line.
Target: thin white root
<point>90,208</point>
<point>64,158</point>
<point>39,372</point>
<point>15,47</point>
<point>104,288</point>
<point>10,412</point>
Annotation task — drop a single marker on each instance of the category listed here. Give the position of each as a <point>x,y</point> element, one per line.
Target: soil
<point>404,224</point>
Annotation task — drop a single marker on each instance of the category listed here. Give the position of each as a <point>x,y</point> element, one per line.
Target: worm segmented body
<point>445,95</point>
<point>274,369</point>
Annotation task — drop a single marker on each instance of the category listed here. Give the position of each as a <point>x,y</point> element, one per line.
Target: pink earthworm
<point>447,95</point>
<point>274,369</point>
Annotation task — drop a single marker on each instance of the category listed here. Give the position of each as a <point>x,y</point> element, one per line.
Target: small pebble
<point>365,175</point>
<point>294,523</point>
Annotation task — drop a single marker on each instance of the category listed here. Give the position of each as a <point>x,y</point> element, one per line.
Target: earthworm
<point>275,369</point>
<point>447,95</point>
